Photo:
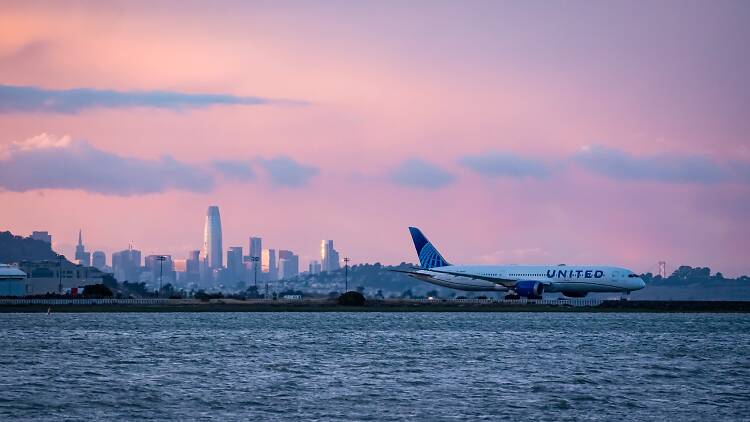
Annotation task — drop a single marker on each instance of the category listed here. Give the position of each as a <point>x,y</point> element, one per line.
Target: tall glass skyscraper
<point>329,257</point>
<point>212,250</point>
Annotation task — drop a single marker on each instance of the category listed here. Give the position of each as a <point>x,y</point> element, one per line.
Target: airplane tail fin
<point>429,257</point>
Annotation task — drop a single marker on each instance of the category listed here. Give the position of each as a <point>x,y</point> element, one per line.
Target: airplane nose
<point>639,284</point>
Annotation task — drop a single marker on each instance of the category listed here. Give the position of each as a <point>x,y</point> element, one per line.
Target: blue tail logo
<point>429,257</point>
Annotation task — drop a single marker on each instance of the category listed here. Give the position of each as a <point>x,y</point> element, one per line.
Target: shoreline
<point>386,306</point>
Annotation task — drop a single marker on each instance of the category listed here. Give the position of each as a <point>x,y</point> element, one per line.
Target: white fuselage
<point>555,278</point>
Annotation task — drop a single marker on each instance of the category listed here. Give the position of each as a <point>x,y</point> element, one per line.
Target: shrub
<point>96,291</point>
<point>351,299</point>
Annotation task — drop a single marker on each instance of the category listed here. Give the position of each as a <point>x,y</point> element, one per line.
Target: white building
<point>50,276</point>
<point>12,281</point>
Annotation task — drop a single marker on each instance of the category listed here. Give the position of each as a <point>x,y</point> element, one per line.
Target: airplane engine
<point>529,289</point>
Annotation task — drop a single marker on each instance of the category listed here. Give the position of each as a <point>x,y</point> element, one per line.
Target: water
<point>363,366</point>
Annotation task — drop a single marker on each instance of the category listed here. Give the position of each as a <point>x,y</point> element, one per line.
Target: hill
<point>16,248</point>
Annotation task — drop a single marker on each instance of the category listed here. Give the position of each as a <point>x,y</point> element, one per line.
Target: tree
<point>167,290</point>
<point>110,281</point>
<point>252,292</point>
<point>96,291</point>
<point>205,297</point>
<point>351,299</point>
<point>139,289</point>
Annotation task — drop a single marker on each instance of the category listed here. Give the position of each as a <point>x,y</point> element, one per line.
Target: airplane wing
<point>501,281</point>
<point>497,280</point>
<point>415,271</point>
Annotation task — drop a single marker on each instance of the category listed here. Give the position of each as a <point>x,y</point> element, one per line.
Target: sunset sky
<point>510,132</point>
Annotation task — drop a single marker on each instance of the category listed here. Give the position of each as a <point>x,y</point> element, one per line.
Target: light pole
<point>346,274</point>
<point>59,272</point>
<point>161,259</point>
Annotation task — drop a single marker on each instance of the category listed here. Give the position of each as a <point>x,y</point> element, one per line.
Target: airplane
<point>528,281</point>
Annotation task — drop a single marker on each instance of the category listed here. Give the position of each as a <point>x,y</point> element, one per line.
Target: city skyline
<point>515,134</point>
<point>196,267</point>
<point>233,254</point>
<point>212,224</point>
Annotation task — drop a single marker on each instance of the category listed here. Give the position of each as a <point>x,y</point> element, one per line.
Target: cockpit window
<point>632,275</point>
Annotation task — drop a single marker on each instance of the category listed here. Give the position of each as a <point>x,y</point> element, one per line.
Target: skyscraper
<point>160,268</point>
<point>99,260</point>
<point>83,257</point>
<point>212,249</point>
<point>193,267</point>
<point>288,264</point>
<point>314,267</point>
<point>329,257</point>
<point>269,264</point>
<point>126,265</point>
<point>235,268</point>
<point>255,250</point>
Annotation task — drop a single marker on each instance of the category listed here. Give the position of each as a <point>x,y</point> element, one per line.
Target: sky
<point>611,132</point>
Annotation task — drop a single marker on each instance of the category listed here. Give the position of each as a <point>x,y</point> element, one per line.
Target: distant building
<point>47,276</point>
<point>288,264</point>
<point>268,261</point>
<point>157,268</point>
<point>43,236</point>
<point>255,246</point>
<point>256,249</point>
<point>12,281</point>
<point>180,265</point>
<point>193,263</point>
<point>314,267</point>
<point>235,267</point>
<point>329,257</point>
<point>188,270</point>
<point>126,265</point>
<point>99,260</point>
<point>83,257</point>
<point>212,249</point>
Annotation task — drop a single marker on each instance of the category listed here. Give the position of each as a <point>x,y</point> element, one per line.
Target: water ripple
<point>391,366</point>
